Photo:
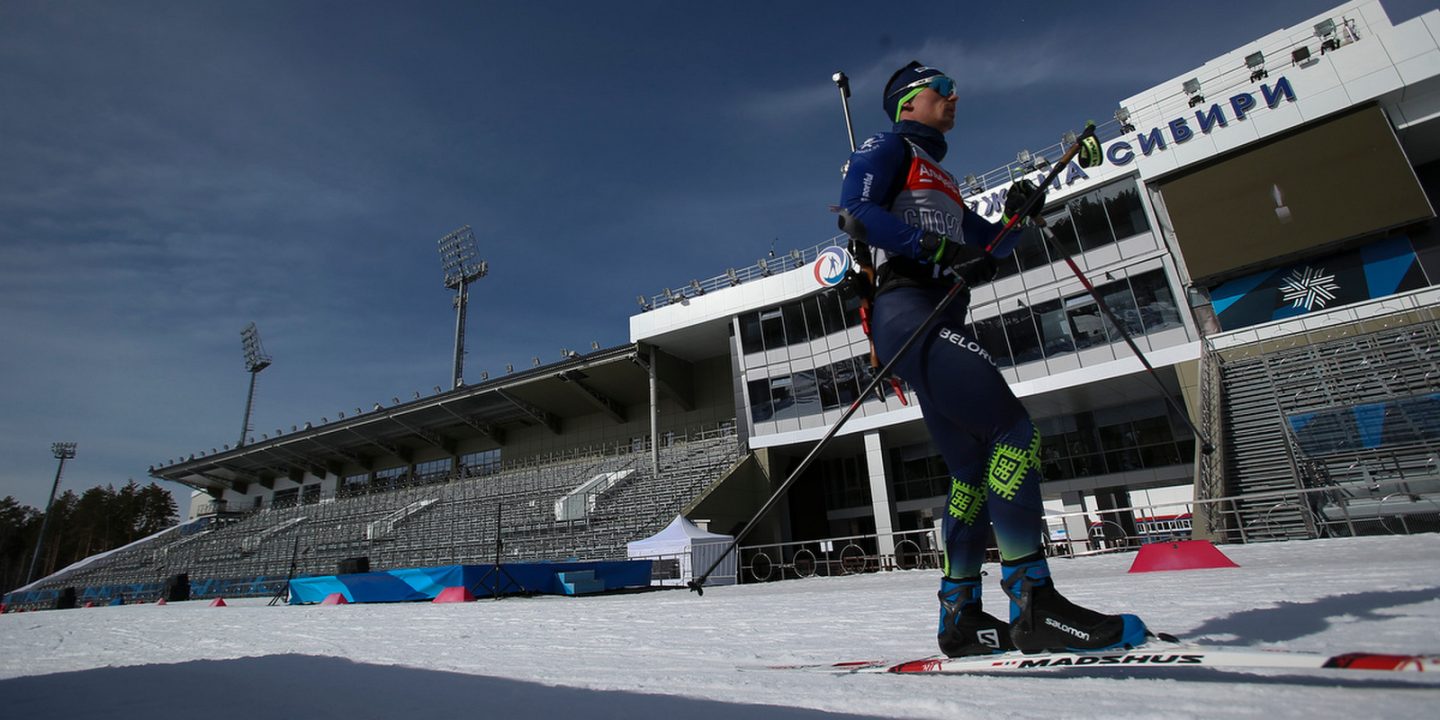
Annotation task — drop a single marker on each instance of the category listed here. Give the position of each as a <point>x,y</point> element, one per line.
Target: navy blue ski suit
<point>896,187</point>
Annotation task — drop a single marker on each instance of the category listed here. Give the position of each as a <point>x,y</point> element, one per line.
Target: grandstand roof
<point>604,381</point>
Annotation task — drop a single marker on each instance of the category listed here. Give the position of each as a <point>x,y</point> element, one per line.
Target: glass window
<point>782,398</point>
<point>772,328</point>
<point>1123,207</point>
<point>794,323</point>
<point>1063,230</point>
<point>825,383</point>
<point>850,306</point>
<point>831,313</point>
<point>391,477</point>
<point>811,306</point>
<point>918,473</point>
<point>1148,441</point>
<point>1186,448</point>
<point>1157,305</point>
<point>1087,465</point>
<point>760,408</point>
<point>1156,439</point>
<point>1152,430</point>
<point>1054,464</point>
<point>807,393</point>
<point>750,338</point>
<point>864,374</point>
<point>1086,324</point>
<point>285,498</point>
<point>1088,216</point>
<point>846,389</point>
<point>1054,328</point>
<point>1121,447</point>
<point>1030,250</point>
<point>1081,448</point>
<point>1006,266</point>
<point>1154,456</point>
<point>1123,460</point>
<point>990,333</point>
<point>484,462</point>
<point>433,466</point>
<point>1024,341</point>
<point>1118,298</point>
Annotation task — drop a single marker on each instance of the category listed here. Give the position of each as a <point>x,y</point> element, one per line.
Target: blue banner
<point>1375,271</point>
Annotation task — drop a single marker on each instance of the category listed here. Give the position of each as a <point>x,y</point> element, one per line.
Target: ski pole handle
<point>843,83</point>
<point>1055,169</point>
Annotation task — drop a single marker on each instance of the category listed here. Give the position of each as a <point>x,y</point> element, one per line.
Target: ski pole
<point>859,250</point>
<point>698,584</point>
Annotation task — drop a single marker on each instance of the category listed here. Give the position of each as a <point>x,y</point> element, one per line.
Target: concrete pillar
<point>654,418</point>
<point>880,494</point>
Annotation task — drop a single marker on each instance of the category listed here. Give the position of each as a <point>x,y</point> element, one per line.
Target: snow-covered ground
<point>675,654</point>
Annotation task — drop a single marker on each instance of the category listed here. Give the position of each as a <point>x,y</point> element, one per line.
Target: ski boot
<point>1042,620</point>
<point>965,629</point>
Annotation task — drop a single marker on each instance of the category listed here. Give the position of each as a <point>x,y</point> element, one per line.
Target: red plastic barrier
<point>335,599</point>
<point>454,594</point>
<point>218,602</point>
<point>161,601</point>
<point>1180,555</point>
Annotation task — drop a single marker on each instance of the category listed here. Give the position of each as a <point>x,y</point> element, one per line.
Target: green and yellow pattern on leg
<point>1010,465</point>
<point>965,501</point>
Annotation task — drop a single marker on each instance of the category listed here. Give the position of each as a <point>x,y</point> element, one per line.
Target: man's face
<point>931,109</point>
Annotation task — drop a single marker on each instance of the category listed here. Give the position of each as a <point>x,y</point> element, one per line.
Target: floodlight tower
<point>255,361</point>
<point>63,451</point>
<point>458,253</point>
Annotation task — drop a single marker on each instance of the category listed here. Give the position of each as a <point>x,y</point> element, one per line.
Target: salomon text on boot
<point>965,629</point>
<point>1042,620</point>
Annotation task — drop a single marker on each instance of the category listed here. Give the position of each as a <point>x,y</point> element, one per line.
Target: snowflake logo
<point>1309,289</point>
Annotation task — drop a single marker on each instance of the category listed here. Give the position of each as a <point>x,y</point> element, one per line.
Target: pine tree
<point>157,510</point>
<point>98,520</point>
<point>19,524</point>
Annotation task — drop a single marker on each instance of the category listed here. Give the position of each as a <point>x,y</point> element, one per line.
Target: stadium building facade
<point>1263,227</point>
<point>1274,204</point>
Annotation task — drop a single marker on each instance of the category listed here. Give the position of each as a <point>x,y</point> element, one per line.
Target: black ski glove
<point>1020,191</point>
<point>965,262</point>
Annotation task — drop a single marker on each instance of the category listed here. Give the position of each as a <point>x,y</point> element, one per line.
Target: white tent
<point>693,548</point>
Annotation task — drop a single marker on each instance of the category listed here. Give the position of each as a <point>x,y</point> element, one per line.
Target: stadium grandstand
<point>1263,227</point>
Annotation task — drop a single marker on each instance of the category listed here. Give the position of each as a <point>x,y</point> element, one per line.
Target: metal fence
<point>1372,509</point>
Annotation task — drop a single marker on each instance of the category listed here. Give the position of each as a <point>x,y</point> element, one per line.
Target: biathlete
<point>923,240</point>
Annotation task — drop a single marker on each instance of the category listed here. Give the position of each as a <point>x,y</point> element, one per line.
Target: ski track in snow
<point>1377,594</point>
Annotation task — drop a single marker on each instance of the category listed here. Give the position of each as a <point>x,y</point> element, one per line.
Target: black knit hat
<point>894,90</point>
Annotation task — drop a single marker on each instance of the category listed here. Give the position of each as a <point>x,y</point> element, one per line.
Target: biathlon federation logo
<point>832,266</point>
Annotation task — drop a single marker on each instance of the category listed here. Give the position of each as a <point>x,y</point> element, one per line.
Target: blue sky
<point>170,171</point>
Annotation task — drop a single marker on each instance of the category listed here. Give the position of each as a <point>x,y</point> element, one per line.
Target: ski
<point>1165,656</point>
